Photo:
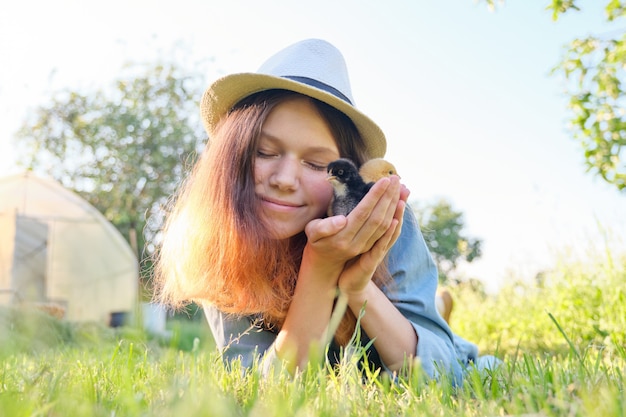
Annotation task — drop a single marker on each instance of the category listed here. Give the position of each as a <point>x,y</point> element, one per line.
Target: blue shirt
<point>412,292</point>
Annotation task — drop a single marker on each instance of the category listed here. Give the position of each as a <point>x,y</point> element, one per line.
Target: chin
<point>281,233</point>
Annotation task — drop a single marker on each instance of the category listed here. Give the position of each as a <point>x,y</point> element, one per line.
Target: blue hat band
<point>319,85</point>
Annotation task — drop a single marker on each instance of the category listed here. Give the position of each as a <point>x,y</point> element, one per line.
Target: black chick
<point>348,186</point>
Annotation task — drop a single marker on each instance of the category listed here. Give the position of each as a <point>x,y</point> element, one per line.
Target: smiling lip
<point>279,204</point>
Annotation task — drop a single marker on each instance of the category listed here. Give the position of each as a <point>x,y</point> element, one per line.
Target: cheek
<point>321,191</point>
<point>259,172</point>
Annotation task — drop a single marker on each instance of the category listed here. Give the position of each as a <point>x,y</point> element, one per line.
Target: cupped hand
<point>357,273</point>
<point>367,232</point>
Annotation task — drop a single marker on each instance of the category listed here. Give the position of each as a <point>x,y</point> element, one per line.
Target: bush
<point>583,301</point>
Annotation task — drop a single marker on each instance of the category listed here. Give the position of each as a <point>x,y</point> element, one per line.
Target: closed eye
<point>265,154</point>
<point>315,166</point>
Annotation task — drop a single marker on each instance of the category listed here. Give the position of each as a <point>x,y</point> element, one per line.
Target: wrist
<point>316,273</point>
<point>320,262</point>
<point>356,298</point>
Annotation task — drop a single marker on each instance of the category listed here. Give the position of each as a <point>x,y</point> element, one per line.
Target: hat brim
<point>224,93</point>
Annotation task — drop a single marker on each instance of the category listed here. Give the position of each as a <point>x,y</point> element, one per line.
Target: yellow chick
<point>375,169</point>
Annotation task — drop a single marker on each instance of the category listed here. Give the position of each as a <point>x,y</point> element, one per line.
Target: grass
<point>563,343</point>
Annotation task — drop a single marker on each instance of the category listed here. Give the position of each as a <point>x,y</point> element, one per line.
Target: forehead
<point>297,122</point>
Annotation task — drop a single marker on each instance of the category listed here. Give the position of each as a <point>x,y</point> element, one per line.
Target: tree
<point>442,227</point>
<point>594,68</point>
<point>124,149</point>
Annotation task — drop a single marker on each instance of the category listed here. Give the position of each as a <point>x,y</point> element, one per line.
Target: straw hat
<point>312,67</point>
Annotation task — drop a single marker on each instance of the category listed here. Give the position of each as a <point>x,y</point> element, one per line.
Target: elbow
<point>406,364</point>
<point>406,356</point>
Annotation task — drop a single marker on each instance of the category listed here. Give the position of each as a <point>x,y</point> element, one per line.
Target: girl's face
<point>294,149</point>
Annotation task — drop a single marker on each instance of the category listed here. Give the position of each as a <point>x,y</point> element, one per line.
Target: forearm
<point>308,315</point>
<point>395,338</point>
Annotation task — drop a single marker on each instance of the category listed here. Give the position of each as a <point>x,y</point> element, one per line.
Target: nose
<point>286,175</point>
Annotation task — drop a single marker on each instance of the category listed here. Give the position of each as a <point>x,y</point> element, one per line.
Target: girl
<point>249,239</point>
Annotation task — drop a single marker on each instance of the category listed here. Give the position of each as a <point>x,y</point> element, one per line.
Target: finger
<point>379,250</point>
<point>400,208</point>
<point>363,210</point>
<point>400,219</point>
<point>395,191</point>
<point>380,217</point>
<point>318,229</point>
<point>360,216</point>
<point>404,193</point>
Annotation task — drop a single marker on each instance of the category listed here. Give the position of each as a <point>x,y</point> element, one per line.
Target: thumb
<point>318,229</point>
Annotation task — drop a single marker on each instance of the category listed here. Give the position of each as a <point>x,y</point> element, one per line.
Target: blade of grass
<point>569,342</point>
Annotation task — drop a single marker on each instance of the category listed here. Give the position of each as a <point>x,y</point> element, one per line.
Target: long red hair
<point>214,248</point>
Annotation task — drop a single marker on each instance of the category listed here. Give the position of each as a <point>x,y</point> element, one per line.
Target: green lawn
<point>563,343</point>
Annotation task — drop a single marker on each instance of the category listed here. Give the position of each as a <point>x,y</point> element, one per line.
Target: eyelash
<point>313,166</point>
<point>262,154</point>
<point>316,167</point>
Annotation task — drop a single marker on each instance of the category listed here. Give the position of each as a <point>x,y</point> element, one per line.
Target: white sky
<point>464,96</point>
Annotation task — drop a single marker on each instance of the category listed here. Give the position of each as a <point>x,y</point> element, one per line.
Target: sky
<point>464,96</point>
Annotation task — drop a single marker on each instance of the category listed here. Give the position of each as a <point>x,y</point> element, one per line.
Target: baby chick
<point>351,184</point>
<point>377,168</point>
<point>348,186</point>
